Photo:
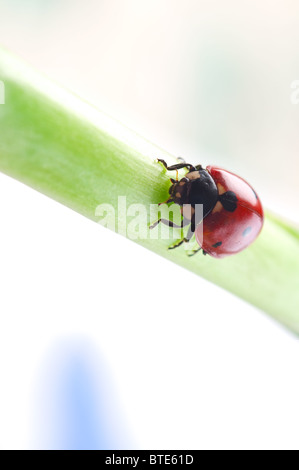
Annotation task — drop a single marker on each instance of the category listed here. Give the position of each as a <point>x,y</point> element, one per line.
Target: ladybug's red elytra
<point>232,212</point>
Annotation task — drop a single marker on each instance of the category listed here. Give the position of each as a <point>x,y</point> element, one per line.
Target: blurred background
<point>99,349</point>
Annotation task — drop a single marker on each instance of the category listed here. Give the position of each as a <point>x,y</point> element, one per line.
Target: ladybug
<point>232,215</point>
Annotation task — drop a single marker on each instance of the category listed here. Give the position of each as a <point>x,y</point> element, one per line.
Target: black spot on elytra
<point>246,231</point>
<point>217,244</point>
<point>229,201</point>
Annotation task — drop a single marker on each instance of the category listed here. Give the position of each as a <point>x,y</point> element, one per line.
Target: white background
<point>163,372</point>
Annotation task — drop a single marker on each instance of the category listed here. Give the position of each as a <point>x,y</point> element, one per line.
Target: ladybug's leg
<point>166,202</point>
<point>176,244</point>
<point>185,239</point>
<point>182,160</point>
<point>189,235</point>
<point>192,253</point>
<point>191,230</point>
<point>169,223</point>
<point>177,166</point>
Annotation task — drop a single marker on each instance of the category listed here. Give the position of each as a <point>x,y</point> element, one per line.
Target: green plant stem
<point>68,150</point>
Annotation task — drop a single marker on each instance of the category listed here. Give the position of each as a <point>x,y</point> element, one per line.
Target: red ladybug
<point>232,212</point>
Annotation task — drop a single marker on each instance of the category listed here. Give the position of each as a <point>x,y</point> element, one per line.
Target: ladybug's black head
<point>197,187</point>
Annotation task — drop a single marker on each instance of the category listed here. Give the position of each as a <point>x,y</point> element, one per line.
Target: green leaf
<point>68,150</point>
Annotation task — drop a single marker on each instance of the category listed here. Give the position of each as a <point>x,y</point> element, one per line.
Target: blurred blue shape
<point>77,407</point>
<point>84,427</point>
